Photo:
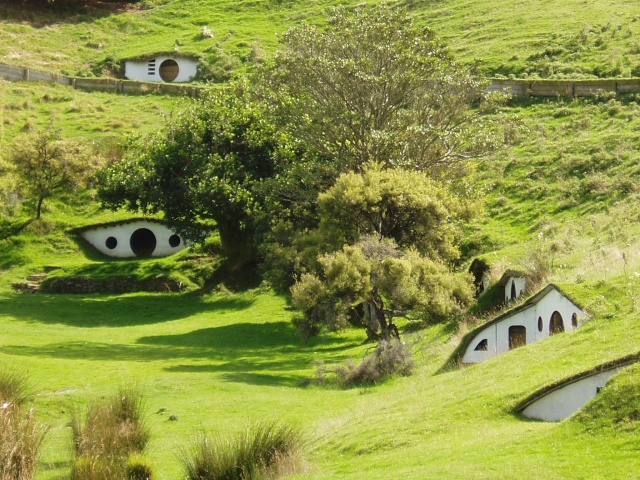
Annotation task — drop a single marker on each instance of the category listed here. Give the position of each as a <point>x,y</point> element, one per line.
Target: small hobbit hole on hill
<point>168,69</point>
<point>539,317</point>
<point>139,238</point>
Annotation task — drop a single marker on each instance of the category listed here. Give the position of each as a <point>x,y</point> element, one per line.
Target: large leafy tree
<point>373,86</point>
<point>46,165</point>
<point>202,170</point>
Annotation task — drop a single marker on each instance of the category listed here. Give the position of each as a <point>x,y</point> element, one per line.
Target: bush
<point>111,432</point>
<point>390,358</point>
<point>267,450</point>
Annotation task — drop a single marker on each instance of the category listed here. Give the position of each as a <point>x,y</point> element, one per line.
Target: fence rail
<point>14,73</point>
<point>517,88</point>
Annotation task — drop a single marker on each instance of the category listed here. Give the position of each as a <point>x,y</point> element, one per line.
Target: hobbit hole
<point>134,238</point>
<point>169,70</point>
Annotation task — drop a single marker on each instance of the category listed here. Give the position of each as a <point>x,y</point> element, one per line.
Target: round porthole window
<point>111,243</point>
<point>174,241</point>
<point>169,70</point>
<point>540,325</point>
<point>143,242</point>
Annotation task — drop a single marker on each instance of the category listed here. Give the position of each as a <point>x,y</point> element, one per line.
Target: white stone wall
<point>563,402</point>
<point>140,70</point>
<point>497,335</point>
<point>122,233</point>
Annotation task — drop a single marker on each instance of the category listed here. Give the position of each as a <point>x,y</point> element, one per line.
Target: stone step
<point>36,277</point>
<point>26,287</point>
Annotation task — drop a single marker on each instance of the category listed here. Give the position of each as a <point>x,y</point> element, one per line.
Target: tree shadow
<point>99,310</point>
<point>42,13</point>
<point>266,354</point>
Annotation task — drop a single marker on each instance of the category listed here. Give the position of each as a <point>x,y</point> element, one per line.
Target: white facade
<point>543,315</point>
<point>162,69</point>
<point>568,399</point>
<point>139,238</point>
<point>514,288</point>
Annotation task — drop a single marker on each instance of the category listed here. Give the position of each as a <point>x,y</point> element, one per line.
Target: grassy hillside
<point>523,37</point>
<point>564,197</point>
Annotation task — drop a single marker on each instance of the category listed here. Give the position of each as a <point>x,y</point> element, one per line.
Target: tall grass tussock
<point>267,450</point>
<point>112,430</point>
<point>20,434</point>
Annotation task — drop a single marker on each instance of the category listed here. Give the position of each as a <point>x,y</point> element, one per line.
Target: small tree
<point>46,165</point>
<point>372,282</point>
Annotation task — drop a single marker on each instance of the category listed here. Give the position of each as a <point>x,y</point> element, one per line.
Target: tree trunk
<point>39,208</point>
<point>375,321</point>
<point>237,242</point>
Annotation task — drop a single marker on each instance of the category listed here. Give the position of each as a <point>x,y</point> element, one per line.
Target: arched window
<point>540,324</point>
<point>574,320</point>
<point>556,325</point>
<point>517,336</point>
<point>482,346</point>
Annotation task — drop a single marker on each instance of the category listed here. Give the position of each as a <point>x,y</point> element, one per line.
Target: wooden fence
<point>517,88</point>
<point>14,73</point>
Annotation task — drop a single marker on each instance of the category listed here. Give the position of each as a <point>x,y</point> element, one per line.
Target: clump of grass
<point>13,387</point>
<point>265,451</point>
<point>20,435</point>
<point>138,468</point>
<point>112,430</point>
<point>391,358</point>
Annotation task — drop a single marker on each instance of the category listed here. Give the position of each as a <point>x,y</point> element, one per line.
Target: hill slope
<point>563,198</point>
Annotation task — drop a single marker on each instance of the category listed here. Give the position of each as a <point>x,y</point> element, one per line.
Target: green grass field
<point>565,192</point>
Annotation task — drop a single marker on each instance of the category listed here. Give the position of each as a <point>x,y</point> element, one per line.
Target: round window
<point>111,243</point>
<point>174,241</point>
<point>169,70</point>
<point>143,242</point>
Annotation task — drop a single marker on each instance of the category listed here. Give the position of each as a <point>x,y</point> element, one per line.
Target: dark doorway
<point>556,325</point>
<point>143,242</point>
<point>517,336</point>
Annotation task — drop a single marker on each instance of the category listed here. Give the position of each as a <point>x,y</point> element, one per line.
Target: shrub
<point>390,358</point>
<point>267,450</point>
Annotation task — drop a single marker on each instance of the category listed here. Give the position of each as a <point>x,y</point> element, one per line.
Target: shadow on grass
<point>88,311</point>
<point>252,353</point>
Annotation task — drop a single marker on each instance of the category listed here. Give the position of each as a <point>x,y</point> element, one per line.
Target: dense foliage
<point>375,87</point>
<point>203,167</point>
